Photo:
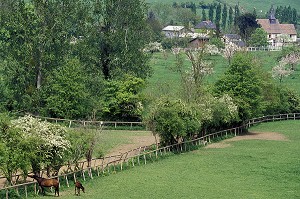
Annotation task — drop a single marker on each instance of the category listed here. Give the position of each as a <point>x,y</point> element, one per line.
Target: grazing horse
<point>78,186</point>
<point>44,182</point>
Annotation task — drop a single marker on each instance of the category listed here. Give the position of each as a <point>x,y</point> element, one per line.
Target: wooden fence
<point>95,124</point>
<point>267,48</point>
<point>141,155</point>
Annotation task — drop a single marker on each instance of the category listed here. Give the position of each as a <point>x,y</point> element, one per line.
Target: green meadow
<point>253,169</point>
<point>260,5</point>
<point>166,81</point>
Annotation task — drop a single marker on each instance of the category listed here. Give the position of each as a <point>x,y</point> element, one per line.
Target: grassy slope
<point>166,81</point>
<point>247,169</point>
<point>247,5</point>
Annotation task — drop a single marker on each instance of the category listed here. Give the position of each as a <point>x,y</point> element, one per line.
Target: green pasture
<point>247,6</point>
<point>165,81</point>
<point>253,169</point>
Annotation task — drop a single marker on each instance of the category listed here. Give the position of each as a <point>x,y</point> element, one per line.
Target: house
<point>235,39</point>
<point>173,31</point>
<point>198,42</point>
<point>206,25</point>
<point>195,40</point>
<point>278,34</point>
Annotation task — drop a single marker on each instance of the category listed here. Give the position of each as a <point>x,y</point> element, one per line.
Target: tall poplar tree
<point>218,14</point>
<point>230,17</point>
<point>211,13</point>
<point>224,16</point>
<point>204,18</point>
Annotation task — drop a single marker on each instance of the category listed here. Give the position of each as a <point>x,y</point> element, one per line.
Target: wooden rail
<point>86,123</point>
<point>141,155</point>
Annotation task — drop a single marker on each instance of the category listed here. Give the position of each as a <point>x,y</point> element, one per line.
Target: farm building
<point>173,31</point>
<point>278,34</point>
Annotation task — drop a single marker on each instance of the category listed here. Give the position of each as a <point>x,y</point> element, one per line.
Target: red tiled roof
<point>277,28</point>
<point>288,29</point>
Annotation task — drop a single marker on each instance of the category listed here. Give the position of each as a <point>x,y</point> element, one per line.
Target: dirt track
<point>249,136</point>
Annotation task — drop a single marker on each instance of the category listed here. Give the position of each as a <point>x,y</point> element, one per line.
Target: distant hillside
<point>248,5</point>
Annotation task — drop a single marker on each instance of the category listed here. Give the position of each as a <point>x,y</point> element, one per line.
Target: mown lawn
<point>253,169</point>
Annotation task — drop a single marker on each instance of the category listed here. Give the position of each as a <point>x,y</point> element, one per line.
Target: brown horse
<point>44,182</point>
<point>78,186</point>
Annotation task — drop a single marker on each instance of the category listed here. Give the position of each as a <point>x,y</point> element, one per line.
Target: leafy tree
<point>35,48</point>
<point>224,16</point>
<point>83,145</point>
<point>236,13</point>
<point>259,38</point>
<point>13,158</point>
<point>204,18</point>
<point>173,120</point>
<point>155,26</point>
<point>229,51</point>
<point>247,24</point>
<point>185,17</point>
<point>123,33</point>
<point>230,16</point>
<point>242,82</point>
<point>66,94</point>
<point>122,99</point>
<point>46,144</point>
<point>218,14</point>
<point>211,13</point>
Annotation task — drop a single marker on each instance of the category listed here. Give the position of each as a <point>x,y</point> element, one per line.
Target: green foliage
<point>46,143</point>
<point>288,50</point>
<point>258,38</point>
<point>122,99</point>
<point>124,32</point>
<point>13,157</point>
<point>66,95</point>
<point>173,120</point>
<point>247,24</point>
<point>243,84</point>
<point>217,42</point>
<point>83,145</point>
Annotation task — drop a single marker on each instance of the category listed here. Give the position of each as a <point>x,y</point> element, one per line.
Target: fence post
<point>83,175</point>
<point>74,176</point>
<point>26,195</point>
<point>139,155</point>
<point>70,124</point>
<point>66,177</point>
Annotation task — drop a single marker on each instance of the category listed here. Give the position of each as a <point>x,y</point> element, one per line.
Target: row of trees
<point>65,58</point>
<point>287,14</point>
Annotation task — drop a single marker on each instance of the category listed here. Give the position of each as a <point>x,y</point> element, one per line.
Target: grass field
<point>253,169</point>
<point>166,81</point>
<point>263,5</point>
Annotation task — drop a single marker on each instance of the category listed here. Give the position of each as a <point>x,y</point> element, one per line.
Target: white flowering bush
<point>46,142</point>
<point>229,51</point>
<point>281,71</point>
<point>153,47</point>
<point>212,49</point>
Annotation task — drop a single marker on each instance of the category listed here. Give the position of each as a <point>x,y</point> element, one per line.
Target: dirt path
<point>249,136</point>
<point>137,141</point>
